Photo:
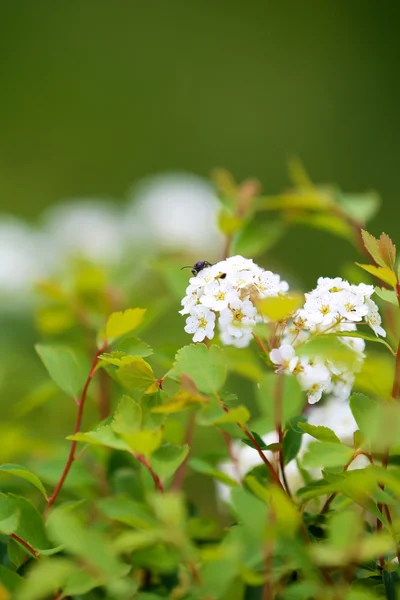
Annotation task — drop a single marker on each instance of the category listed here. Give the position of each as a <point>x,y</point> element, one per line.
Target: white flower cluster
<point>228,290</point>
<point>334,306</point>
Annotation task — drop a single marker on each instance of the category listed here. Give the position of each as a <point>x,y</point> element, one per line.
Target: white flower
<point>285,357</point>
<point>240,279</point>
<point>326,284</point>
<point>190,300</point>
<point>216,294</point>
<point>373,318</point>
<point>240,315</point>
<point>201,322</point>
<point>239,263</point>
<point>205,277</point>
<point>239,342</point>
<point>270,284</point>
<point>315,379</point>
<point>363,289</point>
<point>352,305</point>
<point>321,310</point>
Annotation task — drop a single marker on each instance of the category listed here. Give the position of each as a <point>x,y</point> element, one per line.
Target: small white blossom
<point>240,315</point>
<point>315,379</point>
<point>216,294</point>
<point>190,300</point>
<point>284,357</point>
<point>201,322</point>
<point>352,306</point>
<point>373,318</point>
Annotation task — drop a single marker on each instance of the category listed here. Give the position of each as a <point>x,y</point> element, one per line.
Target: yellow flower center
<point>325,310</point>
<point>202,322</point>
<point>335,289</point>
<point>237,315</point>
<point>349,307</point>
<point>220,296</point>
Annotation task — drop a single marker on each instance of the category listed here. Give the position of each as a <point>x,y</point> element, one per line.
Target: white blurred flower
<point>89,228</point>
<point>175,211</point>
<point>315,379</point>
<point>25,256</point>
<point>284,357</point>
<point>201,322</point>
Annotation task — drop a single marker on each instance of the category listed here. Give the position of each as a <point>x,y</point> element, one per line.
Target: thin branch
<point>157,481</point>
<point>181,472</point>
<point>25,544</point>
<point>81,405</point>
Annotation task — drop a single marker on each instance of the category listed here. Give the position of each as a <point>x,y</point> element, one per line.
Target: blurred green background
<point>95,95</point>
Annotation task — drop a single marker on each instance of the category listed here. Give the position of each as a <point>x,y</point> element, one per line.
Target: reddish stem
<point>81,405</point>
<point>157,481</point>
<point>25,545</point>
<point>180,474</point>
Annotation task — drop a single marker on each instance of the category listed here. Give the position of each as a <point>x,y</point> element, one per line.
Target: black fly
<point>199,266</point>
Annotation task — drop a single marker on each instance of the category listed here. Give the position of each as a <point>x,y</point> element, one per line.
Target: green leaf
<point>285,514</point>
<point>280,308</point>
<point>9,579</point>
<point>132,346</point>
<point>168,458</point>
<point>127,417</point>
<point>326,454</point>
<point>319,432</point>
<point>85,543</point>
<point>239,414</point>
<point>68,368</point>
<point>381,273</point>
<point>372,246</point>
<point>23,473</point>
<point>292,439</point>
<point>30,526</point>
<point>121,323</point>
<point>251,513</point>
<point>362,408</point>
<point>387,295</point>
<point>376,375</point>
<point>257,237</point>
<point>46,576</point>
<point>203,467</point>
<point>137,377</point>
<point>391,583</point>
<point>207,367</point>
<point>258,439</point>
<point>102,436</point>
<point>9,524</point>
<point>127,511</point>
<point>145,441</point>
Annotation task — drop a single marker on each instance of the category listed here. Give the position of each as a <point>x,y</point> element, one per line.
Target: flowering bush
<point>259,461</point>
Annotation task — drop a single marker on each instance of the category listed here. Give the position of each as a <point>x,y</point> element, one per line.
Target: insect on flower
<point>197,267</point>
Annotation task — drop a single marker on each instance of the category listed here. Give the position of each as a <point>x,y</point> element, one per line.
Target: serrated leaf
<point>168,458</point>
<point>23,473</point>
<point>381,273</point>
<point>127,417</point>
<point>280,308</point>
<point>372,246</point>
<point>137,377</point>
<point>121,323</point>
<point>132,346</point>
<point>207,367</point>
<point>145,441</point>
<point>326,454</point>
<point>387,250</point>
<point>319,432</point>
<point>102,436</point>
<point>67,367</point>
